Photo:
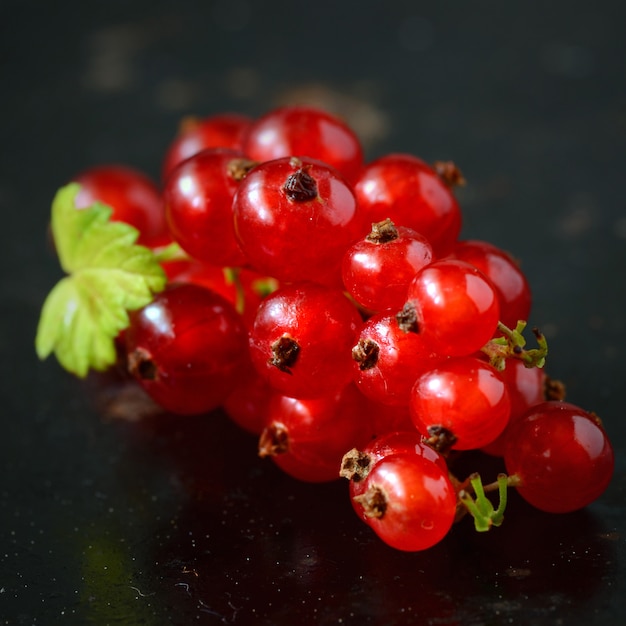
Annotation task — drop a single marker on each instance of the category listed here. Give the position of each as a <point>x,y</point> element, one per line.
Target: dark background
<point>111,519</point>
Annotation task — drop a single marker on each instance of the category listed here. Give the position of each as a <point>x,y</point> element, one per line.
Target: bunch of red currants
<point>329,307</point>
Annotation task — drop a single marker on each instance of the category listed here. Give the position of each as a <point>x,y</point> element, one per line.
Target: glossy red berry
<point>186,348</point>
<point>377,269</point>
<point>198,198</point>
<point>301,340</point>
<point>454,306</point>
<point>225,130</point>
<point>412,194</point>
<point>307,437</point>
<point>388,359</point>
<point>466,397</point>
<point>134,198</point>
<point>561,455</point>
<point>304,131</point>
<point>409,502</point>
<point>294,220</point>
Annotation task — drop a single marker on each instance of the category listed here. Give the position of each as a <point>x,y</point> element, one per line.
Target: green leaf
<point>108,275</point>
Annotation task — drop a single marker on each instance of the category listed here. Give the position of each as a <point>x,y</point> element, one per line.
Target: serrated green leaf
<point>109,275</point>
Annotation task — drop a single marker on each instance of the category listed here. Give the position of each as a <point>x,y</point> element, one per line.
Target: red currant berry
<point>388,359</point>
<point>408,501</point>
<point>377,269</point>
<point>307,438</point>
<point>411,193</point>
<point>294,220</point>
<point>305,132</point>
<point>198,200</point>
<point>217,131</point>
<point>186,347</point>
<point>505,274</point>
<point>466,397</point>
<point>301,340</point>
<point>561,456</point>
<point>455,307</point>
<point>134,198</point>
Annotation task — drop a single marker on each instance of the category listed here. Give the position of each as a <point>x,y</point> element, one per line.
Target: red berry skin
<point>377,275</point>
<point>186,347</point>
<point>198,199</point>
<point>457,307</point>
<point>402,442</point>
<point>244,289</point>
<point>420,502</point>
<point>296,238</point>
<point>562,456</point>
<point>225,130</point>
<point>464,395</point>
<point>320,324</point>
<point>407,190</point>
<point>315,432</point>
<point>400,358</point>
<point>134,198</point>
<point>505,274</point>
<point>526,389</point>
<point>248,403</point>
<point>379,448</point>
<point>304,131</point>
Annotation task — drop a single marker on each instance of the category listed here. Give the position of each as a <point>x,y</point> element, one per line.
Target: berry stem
<point>480,508</point>
<point>511,345</point>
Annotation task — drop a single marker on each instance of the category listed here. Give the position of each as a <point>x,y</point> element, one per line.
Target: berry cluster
<point>328,306</point>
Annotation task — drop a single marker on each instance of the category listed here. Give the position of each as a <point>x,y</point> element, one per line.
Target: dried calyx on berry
<point>300,186</point>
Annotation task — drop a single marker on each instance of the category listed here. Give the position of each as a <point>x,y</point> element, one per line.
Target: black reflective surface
<point>110,520</point>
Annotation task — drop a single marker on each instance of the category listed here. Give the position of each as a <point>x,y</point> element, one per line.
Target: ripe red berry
<point>377,269</point>
<point>412,194</point>
<point>561,455</point>
<point>225,130</point>
<point>304,131</point>
<point>466,397</point>
<point>198,199</point>
<point>388,359</point>
<point>186,347</point>
<point>408,501</point>
<point>455,307</point>
<point>134,198</point>
<point>294,219</point>
<point>301,340</point>
<point>307,437</point>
